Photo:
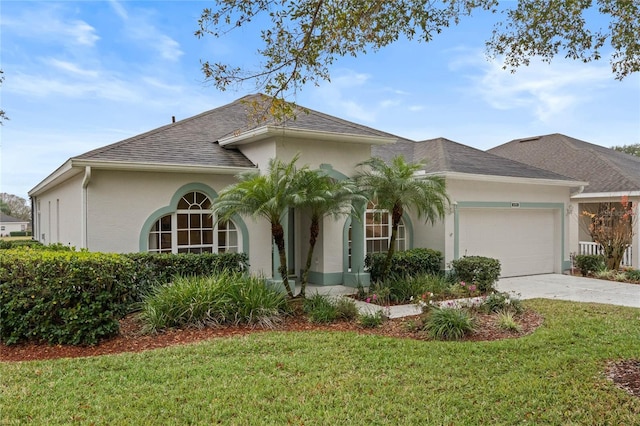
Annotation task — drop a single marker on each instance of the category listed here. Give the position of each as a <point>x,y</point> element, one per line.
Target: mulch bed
<point>625,374</point>
<point>131,340</point>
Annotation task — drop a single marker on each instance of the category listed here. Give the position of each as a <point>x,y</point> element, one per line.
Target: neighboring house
<point>9,224</point>
<point>153,192</point>
<point>610,175</point>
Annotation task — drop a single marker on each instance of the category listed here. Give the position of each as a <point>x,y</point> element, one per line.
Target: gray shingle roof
<point>443,155</point>
<point>192,141</point>
<point>8,219</point>
<point>605,169</point>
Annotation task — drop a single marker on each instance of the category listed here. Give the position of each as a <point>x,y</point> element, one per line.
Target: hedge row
<point>412,262</point>
<point>63,297</point>
<point>157,269</point>
<point>68,297</point>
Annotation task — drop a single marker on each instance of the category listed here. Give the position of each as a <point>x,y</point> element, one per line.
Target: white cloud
<point>140,29</point>
<point>119,9</point>
<point>71,68</point>
<point>46,24</point>
<point>546,90</point>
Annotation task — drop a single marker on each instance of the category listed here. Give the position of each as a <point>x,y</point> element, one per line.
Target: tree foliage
<point>15,206</point>
<point>305,37</point>
<point>632,149</point>
<point>269,196</point>
<point>322,196</point>
<point>612,227</point>
<point>3,116</point>
<point>394,187</point>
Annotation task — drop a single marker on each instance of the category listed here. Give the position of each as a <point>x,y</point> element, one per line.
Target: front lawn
<point>553,376</point>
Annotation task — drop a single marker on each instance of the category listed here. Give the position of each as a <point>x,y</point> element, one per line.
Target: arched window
<point>378,231</point>
<point>192,229</point>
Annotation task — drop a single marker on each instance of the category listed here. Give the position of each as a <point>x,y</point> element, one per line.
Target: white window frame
<point>195,210</point>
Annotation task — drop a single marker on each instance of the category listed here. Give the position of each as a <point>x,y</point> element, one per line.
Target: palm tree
<point>268,196</point>
<point>323,196</point>
<point>394,187</point>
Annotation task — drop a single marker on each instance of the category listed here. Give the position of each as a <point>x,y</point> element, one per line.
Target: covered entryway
<point>526,240</point>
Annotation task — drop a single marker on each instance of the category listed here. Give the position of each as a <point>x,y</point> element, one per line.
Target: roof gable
<point>605,169</point>
<point>193,141</point>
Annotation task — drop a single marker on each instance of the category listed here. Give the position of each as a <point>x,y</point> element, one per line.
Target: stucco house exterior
<point>153,192</point>
<point>610,175</point>
<point>9,224</point>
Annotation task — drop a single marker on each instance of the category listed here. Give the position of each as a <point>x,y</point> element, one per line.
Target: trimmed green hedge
<point>60,296</point>
<point>411,263</point>
<point>20,233</point>
<point>63,297</point>
<point>479,270</point>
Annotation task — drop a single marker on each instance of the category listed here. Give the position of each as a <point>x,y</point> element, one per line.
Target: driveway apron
<point>577,289</point>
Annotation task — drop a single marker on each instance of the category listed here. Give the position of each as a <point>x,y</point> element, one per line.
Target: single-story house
<point>9,224</point>
<point>610,175</point>
<point>153,193</point>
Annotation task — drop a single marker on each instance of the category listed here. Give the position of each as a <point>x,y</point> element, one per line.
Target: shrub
<point>346,308</point>
<point>633,274</point>
<point>589,263</point>
<point>506,321</point>
<point>62,297</point>
<point>6,244</point>
<point>449,323</point>
<point>199,301</point>
<point>155,269</point>
<point>405,263</point>
<point>500,302</point>
<point>20,234</point>
<point>253,302</point>
<point>371,320</point>
<point>320,309</point>
<point>478,270</point>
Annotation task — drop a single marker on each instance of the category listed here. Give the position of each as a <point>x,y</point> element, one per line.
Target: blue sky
<point>83,74</point>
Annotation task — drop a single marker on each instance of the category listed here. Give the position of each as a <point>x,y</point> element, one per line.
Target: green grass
<point>554,376</point>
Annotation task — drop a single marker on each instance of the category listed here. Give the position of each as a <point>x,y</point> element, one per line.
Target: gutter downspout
<point>33,223</point>
<point>85,207</point>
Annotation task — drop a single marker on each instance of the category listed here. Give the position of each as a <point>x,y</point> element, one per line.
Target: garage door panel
<point>523,240</point>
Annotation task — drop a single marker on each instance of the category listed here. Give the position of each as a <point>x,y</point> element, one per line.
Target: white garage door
<point>525,241</point>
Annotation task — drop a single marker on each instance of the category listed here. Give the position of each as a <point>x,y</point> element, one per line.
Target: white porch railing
<point>595,248</point>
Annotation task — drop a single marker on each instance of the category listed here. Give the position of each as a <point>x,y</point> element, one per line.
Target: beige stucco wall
<point>342,157</point>
<point>441,236</point>
<point>58,219</point>
<point>119,203</point>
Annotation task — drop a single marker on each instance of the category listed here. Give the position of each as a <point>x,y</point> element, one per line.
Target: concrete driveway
<point>577,289</point>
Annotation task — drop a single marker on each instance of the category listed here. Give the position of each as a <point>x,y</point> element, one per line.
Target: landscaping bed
<point>131,339</point>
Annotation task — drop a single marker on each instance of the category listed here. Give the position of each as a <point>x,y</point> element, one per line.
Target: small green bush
<point>478,270</point>
<point>62,297</point>
<point>371,320</point>
<point>405,263</point>
<point>320,309</point>
<point>506,321</point>
<point>346,308</point>
<point>633,274</point>
<point>449,323</point>
<point>500,302</point>
<point>589,263</point>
